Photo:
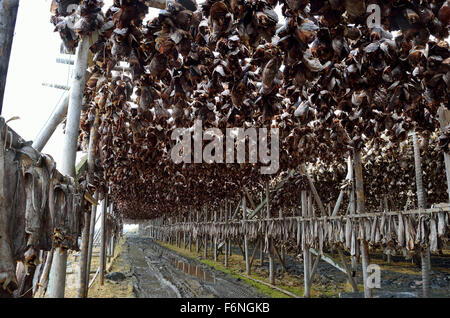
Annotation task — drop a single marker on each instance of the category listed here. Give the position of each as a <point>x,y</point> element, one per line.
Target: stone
<point>115,276</point>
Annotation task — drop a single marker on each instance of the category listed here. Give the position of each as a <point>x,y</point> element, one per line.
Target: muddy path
<point>158,272</point>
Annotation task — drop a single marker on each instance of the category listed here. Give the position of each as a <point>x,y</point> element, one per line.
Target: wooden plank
<point>315,266</point>
<point>348,271</point>
<point>279,257</point>
<point>257,244</point>
<point>314,192</point>
<point>273,286</point>
<point>325,257</point>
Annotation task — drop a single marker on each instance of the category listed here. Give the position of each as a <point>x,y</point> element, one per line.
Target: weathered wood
<point>348,271</point>
<point>314,192</point>
<point>257,244</point>
<point>56,118</point>
<point>264,202</point>
<point>93,278</point>
<point>103,239</point>
<point>273,286</point>
<point>421,200</point>
<point>314,268</point>
<point>84,256</point>
<point>205,238</point>
<point>444,120</point>
<point>279,257</point>
<point>58,271</point>
<point>244,212</point>
<point>226,240</point>
<point>365,263</point>
<point>57,86</point>
<point>341,194</point>
<point>269,240</point>
<point>306,254</point>
<point>360,209</point>
<point>326,258</point>
<point>43,281</point>
<point>8,17</point>
<point>215,238</point>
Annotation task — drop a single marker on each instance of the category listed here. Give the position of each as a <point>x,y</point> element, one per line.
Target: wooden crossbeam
<point>329,260</point>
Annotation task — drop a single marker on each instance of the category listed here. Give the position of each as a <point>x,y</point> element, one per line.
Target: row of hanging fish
<point>39,208</point>
<point>393,232</point>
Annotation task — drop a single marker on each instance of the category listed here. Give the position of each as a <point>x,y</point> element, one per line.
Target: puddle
<point>196,271</point>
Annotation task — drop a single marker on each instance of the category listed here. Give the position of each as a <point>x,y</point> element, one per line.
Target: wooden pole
<point>306,254</point>
<point>230,217</point>
<point>226,240</point>
<point>244,215</point>
<point>58,271</point>
<point>347,270</point>
<point>215,237</point>
<point>421,199</point>
<point>197,243</point>
<point>205,238</point>
<point>270,252</point>
<point>43,281</point>
<point>8,17</point>
<point>103,240</point>
<point>84,256</point>
<point>257,244</point>
<point>361,208</point>
<point>57,116</point>
<point>444,120</point>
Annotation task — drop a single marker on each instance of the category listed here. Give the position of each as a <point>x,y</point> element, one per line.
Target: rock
<point>115,276</point>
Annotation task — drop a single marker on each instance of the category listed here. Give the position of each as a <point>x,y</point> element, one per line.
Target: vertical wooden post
<point>197,243</point>
<point>244,217</point>
<point>58,270</point>
<point>361,208</point>
<point>444,120</point>
<point>270,252</point>
<point>215,237</point>
<point>43,281</point>
<point>282,256</point>
<point>205,238</point>
<point>230,214</point>
<point>8,17</point>
<point>84,255</point>
<point>305,247</point>
<point>226,252</point>
<point>103,240</point>
<point>421,199</point>
<point>190,234</point>
<point>184,233</point>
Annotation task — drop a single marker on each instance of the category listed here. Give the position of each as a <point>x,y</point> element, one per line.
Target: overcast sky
<point>33,62</point>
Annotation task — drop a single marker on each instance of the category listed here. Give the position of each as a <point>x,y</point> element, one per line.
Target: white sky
<point>33,62</point>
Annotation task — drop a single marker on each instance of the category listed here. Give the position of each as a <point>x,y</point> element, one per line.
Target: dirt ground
<point>160,272</point>
<point>110,289</point>
<point>154,269</point>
